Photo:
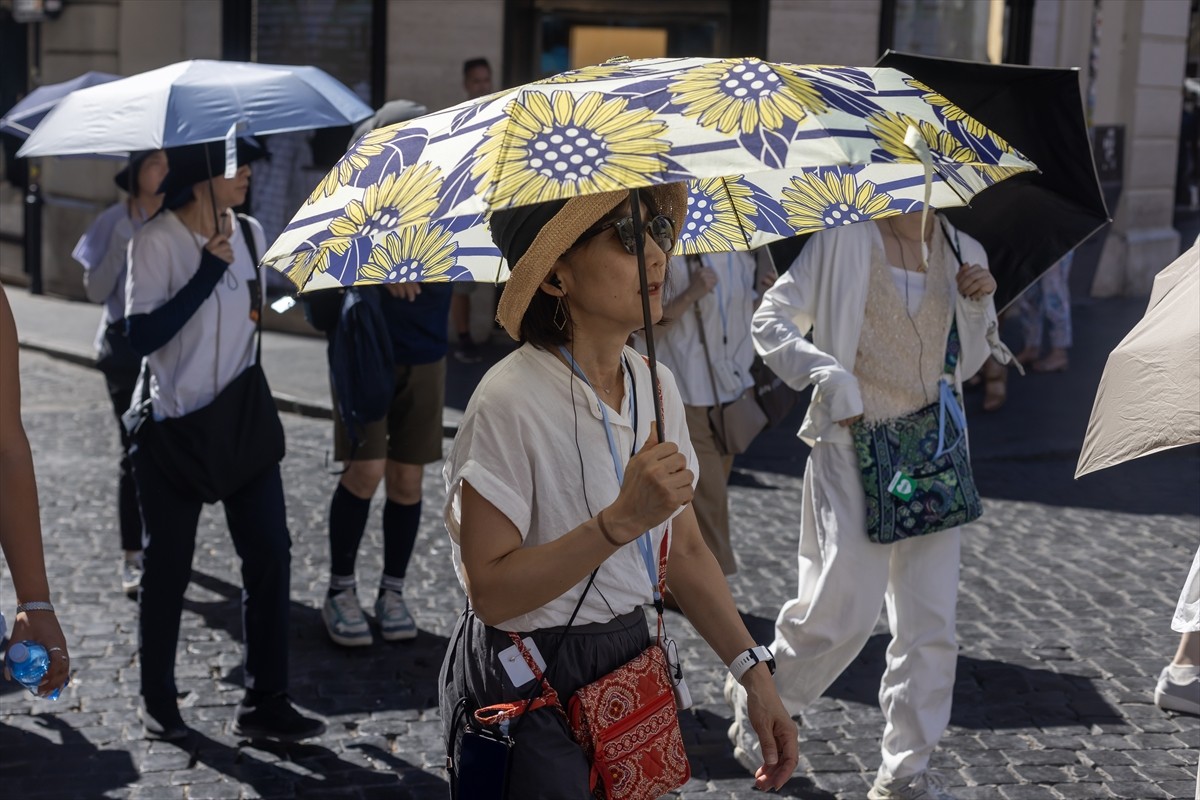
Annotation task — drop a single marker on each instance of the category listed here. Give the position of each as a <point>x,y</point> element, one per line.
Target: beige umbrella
<point>1149,395</point>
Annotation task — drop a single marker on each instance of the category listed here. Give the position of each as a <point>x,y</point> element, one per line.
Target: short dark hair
<point>540,324</point>
<point>473,63</point>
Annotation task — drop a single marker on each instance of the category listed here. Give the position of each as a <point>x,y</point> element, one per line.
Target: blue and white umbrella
<point>193,102</point>
<point>21,119</point>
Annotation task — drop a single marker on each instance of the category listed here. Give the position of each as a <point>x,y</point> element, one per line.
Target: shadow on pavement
<point>326,774</point>
<point>332,680</point>
<point>991,695</point>
<point>987,694</point>
<point>88,771</point>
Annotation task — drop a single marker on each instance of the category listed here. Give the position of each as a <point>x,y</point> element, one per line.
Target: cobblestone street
<point>1063,626</point>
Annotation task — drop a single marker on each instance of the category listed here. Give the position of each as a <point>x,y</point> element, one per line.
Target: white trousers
<point>844,580</point>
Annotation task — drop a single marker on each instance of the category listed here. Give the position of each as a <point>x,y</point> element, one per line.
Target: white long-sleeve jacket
<point>825,292</point>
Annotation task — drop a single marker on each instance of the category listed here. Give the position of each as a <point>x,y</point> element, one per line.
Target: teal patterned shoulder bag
<point>916,469</point>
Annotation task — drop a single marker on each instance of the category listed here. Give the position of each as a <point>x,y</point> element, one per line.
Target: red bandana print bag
<point>627,724</point>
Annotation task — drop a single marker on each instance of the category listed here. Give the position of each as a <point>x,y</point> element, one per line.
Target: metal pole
<point>33,193</point>
<point>33,228</point>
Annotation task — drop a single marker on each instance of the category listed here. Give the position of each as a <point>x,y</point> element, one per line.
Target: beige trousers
<point>711,501</point>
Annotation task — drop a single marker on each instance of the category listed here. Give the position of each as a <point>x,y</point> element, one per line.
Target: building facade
<point>1132,55</point>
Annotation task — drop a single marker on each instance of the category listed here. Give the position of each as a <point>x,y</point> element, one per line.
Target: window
<point>974,30</point>
<point>545,37</point>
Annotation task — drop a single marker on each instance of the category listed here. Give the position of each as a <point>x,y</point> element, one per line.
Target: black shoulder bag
<point>216,450</point>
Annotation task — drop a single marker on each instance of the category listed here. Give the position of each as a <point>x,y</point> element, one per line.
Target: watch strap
<point>748,658</point>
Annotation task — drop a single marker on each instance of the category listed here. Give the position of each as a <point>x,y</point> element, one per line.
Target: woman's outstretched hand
<point>776,733</point>
<point>657,482</point>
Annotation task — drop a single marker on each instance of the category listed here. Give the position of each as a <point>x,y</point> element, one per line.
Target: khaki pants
<point>711,501</point>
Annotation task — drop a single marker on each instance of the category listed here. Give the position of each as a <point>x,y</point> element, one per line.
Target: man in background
<point>477,82</point>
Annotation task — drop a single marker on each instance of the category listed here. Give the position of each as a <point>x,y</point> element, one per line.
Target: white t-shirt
<point>517,446</point>
<point>726,312</point>
<point>910,285</point>
<point>218,343</point>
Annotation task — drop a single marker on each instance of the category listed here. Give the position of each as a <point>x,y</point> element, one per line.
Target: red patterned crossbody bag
<point>626,722</point>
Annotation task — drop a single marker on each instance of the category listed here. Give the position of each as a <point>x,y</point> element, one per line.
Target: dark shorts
<point>411,433</point>
<point>546,762</point>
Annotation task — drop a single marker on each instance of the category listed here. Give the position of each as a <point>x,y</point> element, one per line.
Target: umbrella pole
<point>212,197</point>
<point>635,209</point>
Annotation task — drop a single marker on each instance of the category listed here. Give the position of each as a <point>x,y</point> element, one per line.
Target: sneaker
<point>345,620</point>
<point>161,721</point>
<point>746,748</point>
<point>922,786</point>
<point>391,612</point>
<point>1181,697</point>
<point>131,577</point>
<point>274,717</point>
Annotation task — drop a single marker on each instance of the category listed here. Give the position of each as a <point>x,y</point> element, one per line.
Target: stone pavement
<point>1067,592</point>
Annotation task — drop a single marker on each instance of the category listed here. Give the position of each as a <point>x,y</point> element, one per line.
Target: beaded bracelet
<point>36,605</point>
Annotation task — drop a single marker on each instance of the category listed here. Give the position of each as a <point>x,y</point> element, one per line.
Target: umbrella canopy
<point>1149,395</point>
<point>1029,223</point>
<point>771,150</point>
<point>21,119</point>
<point>193,102</point>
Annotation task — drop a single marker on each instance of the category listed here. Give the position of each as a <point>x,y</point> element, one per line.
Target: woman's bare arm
<point>20,522</point>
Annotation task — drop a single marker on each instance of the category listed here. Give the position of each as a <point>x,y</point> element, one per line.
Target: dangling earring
<point>560,315</point>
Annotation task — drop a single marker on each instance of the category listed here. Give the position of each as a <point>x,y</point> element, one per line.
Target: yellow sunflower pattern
<point>400,199</point>
<point>559,146</point>
<point>423,253</point>
<point>950,111</point>
<point>366,148</point>
<point>745,94</point>
<point>814,202</point>
<point>302,266</point>
<point>891,127</point>
<point>718,216</point>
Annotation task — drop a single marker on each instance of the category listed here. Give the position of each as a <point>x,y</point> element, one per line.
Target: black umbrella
<point>1030,221</point>
<point>1027,222</point>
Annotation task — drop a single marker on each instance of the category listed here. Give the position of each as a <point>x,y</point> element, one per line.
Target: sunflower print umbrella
<point>768,150</point>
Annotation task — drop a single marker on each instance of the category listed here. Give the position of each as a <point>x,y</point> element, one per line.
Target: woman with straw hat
<point>558,471</point>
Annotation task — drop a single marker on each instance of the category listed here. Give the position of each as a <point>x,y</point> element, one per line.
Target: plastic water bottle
<point>28,663</point>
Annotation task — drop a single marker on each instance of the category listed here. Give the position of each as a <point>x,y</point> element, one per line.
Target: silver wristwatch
<point>748,658</point>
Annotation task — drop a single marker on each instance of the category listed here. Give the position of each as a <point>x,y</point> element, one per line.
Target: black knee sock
<point>400,526</point>
<point>347,521</point>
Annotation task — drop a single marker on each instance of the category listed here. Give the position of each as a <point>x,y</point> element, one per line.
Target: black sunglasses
<point>660,228</point>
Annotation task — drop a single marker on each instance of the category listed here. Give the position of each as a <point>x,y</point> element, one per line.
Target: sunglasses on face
<point>659,228</point>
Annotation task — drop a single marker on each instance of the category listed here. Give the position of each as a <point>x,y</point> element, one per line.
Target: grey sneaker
<point>391,612</point>
<point>922,786</point>
<point>746,748</point>
<point>131,577</point>
<point>345,620</point>
<point>1181,697</point>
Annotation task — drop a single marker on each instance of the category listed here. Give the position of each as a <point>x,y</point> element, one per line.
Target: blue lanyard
<point>645,544</point>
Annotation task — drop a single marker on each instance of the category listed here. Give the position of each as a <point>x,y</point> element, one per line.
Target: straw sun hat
<point>531,238</point>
